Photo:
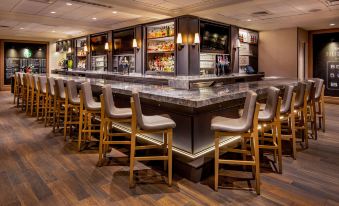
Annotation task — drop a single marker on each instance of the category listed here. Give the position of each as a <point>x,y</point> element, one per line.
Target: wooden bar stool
<point>247,127</point>
<point>320,102</point>
<point>269,120</point>
<point>72,107</point>
<point>34,94</point>
<point>41,98</point>
<point>24,88</point>
<point>49,110</point>
<point>111,114</point>
<point>311,110</point>
<point>20,89</point>
<point>300,109</point>
<point>287,117</point>
<point>59,101</point>
<point>30,90</point>
<point>89,109</point>
<point>142,124</point>
<point>16,90</point>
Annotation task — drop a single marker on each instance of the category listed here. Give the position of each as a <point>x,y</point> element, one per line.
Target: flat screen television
<point>98,44</point>
<point>214,37</point>
<point>123,42</point>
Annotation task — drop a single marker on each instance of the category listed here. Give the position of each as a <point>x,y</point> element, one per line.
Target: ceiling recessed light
<point>69,4</point>
<point>53,12</point>
<point>114,12</point>
<point>332,24</point>
<point>249,19</point>
<point>53,31</point>
<point>22,28</point>
<point>94,18</point>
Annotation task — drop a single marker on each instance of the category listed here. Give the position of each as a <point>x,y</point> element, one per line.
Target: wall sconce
<point>106,46</point>
<point>237,44</point>
<point>179,41</point>
<point>135,44</point>
<point>85,48</point>
<point>196,39</point>
<point>69,50</point>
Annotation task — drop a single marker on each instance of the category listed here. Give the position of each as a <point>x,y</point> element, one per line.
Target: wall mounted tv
<point>214,37</point>
<point>98,44</point>
<point>123,42</point>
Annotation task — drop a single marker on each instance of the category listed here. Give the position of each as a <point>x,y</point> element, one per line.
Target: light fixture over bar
<point>196,39</point>
<point>106,46</point>
<point>135,44</point>
<point>179,41</point>
<point>85,48</point>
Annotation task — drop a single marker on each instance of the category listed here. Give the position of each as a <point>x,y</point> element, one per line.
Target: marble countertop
<point>195,98</point>
<point>185,78</point>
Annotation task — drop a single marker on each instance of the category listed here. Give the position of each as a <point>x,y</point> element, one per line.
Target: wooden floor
<point>38,168</point>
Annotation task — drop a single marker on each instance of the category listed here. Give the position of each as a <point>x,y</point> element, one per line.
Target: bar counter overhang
<point>192,110</point>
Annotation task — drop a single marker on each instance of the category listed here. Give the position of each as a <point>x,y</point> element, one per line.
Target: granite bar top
<point>210,77</point>
<point>195,98</point>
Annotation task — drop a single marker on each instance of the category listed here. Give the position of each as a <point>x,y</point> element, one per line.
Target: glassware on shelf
<point>161,63</point>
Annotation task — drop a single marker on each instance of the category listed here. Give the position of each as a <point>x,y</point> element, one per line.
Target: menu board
<point>333,75</point>
<point>326,61</point>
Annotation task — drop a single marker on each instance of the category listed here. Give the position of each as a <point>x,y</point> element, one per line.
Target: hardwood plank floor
<point>38,168</point>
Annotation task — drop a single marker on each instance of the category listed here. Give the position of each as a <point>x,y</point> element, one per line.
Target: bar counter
<point>192,110</point>
<point>180,82</point>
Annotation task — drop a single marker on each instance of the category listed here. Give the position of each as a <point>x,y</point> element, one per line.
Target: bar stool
<point>72,107</point>
<point>142,124</point>
<point>24,87</point>
<point>41,98</point>
<point>287,116</point>
<point>311,112</point>
<point>49,109</point>
<point>269,119</point>
<point>320,102</point>
<point>111,114</point>
<point>16,90</point>
<point>30,90</point>
<point>247,127</point>
<point>300,109</point>
<point>88,109</point>
<point>34,93</point>
<point>59,101</point>
<point>20,88</point>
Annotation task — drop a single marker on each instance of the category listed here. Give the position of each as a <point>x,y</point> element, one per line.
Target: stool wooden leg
<point>279,146</point>
<point>274,137</point>
<point>305,127</point>
<point>27,100</point>
<point>257,161</point>
<point>165,151</point>
<point>216,161</point>
<point>90,126</point>
<point>37,105</point>
<point>32,102</point>
<point>169,138</point>
<point>323,115</point>
<point>47,109</point>
<point>131,160</point>
<point>65,120</point>
<point>80,129</point>
<point>294,141</point>
<point>103,134</point>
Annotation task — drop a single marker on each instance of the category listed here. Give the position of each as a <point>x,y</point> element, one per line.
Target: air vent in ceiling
<point>260,13</point>
<point>314,10</point>
<point>44,1</point>
<point>3,26</point>
<point>92,3</point>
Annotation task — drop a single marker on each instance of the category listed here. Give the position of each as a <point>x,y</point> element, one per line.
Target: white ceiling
<point>32,19</point>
